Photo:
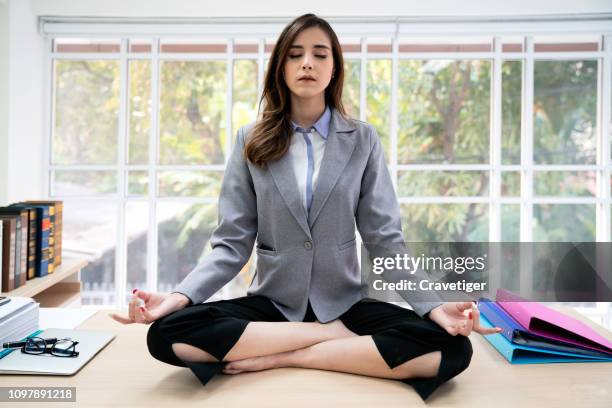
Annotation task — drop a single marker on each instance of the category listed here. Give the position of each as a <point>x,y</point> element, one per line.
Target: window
<point>493,137</point>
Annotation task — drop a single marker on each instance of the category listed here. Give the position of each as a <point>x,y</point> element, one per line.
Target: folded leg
<point>214,327</point>
<point>401,335</point>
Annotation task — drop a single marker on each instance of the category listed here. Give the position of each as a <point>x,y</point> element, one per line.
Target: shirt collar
<point>321,125</point>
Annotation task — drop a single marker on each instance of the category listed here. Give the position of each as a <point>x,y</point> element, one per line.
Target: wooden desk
<point>125,375</point>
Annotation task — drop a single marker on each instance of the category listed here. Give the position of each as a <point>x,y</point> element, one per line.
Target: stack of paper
<point>534,333</point>
<point>18,320</point>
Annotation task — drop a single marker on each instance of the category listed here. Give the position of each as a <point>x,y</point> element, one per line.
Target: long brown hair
<point>269,138</point>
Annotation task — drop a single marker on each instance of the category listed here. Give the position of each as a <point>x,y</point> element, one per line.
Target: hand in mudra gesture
<point>156,306</point>
<point>460,318</point>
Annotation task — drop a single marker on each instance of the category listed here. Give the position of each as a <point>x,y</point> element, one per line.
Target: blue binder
<point>521,354</point>
<point>515,333</point>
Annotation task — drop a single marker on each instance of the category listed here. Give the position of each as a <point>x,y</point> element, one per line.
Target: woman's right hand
<point>156,306</point>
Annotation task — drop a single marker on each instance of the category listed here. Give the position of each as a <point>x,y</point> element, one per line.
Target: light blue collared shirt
<point>307,153</point>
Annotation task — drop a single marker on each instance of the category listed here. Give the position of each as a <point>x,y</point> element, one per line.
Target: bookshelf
<point>62,288</point>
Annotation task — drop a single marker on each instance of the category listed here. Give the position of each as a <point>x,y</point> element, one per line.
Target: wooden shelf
<point>59,288</point>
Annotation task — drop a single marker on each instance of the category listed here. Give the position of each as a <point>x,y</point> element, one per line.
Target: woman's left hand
<point>460,318</point>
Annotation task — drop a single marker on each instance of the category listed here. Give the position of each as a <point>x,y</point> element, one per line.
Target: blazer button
<point>308,245</point>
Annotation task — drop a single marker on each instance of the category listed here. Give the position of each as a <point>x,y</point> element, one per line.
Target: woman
<point>298,181</point>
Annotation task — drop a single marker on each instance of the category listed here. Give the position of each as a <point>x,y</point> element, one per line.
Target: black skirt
<point>399,334</point>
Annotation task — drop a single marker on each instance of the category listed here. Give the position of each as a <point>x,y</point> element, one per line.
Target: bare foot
<point>260,363</point>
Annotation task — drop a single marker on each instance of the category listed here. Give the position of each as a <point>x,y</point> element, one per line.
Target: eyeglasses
<point>59,348</point>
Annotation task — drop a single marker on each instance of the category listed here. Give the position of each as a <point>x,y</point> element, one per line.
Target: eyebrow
<point>316,46</point>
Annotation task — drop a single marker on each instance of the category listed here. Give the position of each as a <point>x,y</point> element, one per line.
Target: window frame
<point>395,29</point>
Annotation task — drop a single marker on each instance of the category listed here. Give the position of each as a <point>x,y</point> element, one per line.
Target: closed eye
<point>298,56</point>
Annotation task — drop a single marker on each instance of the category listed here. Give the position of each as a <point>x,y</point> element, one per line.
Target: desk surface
<point>124,374</point>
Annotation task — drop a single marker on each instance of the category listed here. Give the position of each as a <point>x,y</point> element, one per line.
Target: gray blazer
<point>302,259</point>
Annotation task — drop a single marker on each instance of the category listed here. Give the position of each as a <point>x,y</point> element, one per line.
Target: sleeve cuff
<point>423,308</point>
<point>187,296</point>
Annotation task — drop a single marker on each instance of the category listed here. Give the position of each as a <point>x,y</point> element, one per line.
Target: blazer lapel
<point>338,150</point>
<point>284,178</point>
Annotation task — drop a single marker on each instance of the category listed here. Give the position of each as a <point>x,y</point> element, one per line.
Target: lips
<point>307,79</point>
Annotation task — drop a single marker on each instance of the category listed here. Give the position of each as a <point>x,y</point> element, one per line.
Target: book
<point>18,251</point>
<point>8,254</point>
<point>56,211</point>
<point>32,243</point>
<point>32,228</point>
<point>22,240</point>
<point>50,254</point>
<point>41,266</point>
<point>15,250</point>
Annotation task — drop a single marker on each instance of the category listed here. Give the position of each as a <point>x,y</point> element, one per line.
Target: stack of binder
<point>533,333</point>
<point>18,320</point>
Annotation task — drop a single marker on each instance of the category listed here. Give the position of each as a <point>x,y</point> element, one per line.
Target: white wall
<point>4,80</point>
<point>23,109</point>
<point>22,130</point>
<point>326,8</point>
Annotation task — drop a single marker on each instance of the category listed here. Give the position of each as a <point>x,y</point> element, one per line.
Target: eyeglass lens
<point>35,345</point>
<point>63,348</point>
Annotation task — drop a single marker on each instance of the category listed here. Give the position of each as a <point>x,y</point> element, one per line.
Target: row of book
<point>30,241</point>
<point>533,333</point>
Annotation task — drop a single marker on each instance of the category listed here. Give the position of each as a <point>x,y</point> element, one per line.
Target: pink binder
<point>543,321</point>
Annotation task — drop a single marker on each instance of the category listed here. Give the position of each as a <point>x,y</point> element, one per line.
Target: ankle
<point>298,358</point>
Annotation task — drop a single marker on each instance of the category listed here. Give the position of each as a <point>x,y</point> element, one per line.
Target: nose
<point>306,64</point>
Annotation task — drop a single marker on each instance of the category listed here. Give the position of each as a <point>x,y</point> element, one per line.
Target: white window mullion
<point>604,85</point>
<point>122,135</point>
<point>49,114</point>
<point>394,110</point>
<point>569,56</point>
<point>229,134</point>
<point>112,167</point>
<point>495,162</point>
<point>363,81</point>
<point>84,56</point>
<point>487,167</point>
<point>153,160</point>
<point>363,88</point>
<point>603,223</point>
<point>527,144</point>
<point>224,292</point>
<point>187,56</point>
<point>526,222</point>
<point>495,146</point>
<point>260,70</point>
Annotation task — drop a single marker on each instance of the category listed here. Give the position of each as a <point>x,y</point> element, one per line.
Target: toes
<point>229,369</point>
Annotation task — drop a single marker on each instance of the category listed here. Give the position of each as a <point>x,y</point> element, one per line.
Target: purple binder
<point>548,323</point>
